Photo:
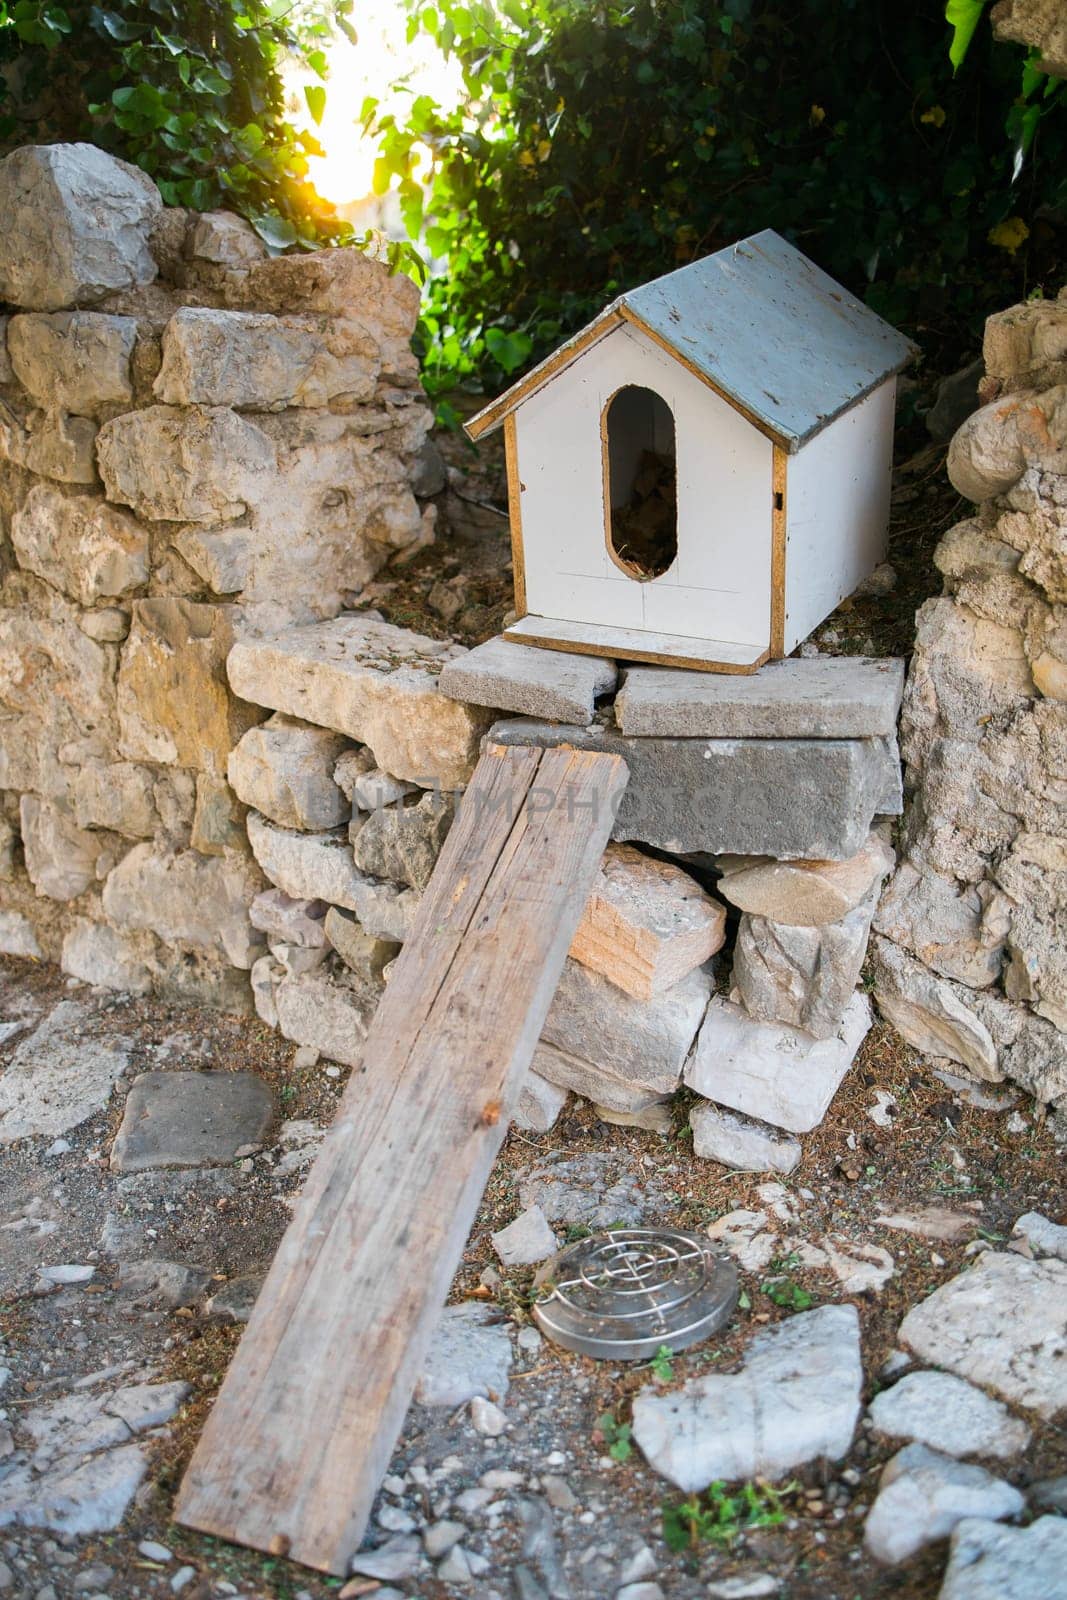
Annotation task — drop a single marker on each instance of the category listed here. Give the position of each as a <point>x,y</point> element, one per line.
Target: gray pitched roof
<point>759,322</point>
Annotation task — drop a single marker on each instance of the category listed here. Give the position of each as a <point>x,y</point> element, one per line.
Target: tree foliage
<point>602,142</point>
<point>189,92</point>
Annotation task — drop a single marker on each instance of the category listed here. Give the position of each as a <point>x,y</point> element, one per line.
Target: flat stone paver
<point>818,697</point>
<point>538,683</point>
<point>190,1119</point>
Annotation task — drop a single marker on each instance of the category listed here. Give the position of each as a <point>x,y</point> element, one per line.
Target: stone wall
<point>198,443</point>
<point>972,956</point>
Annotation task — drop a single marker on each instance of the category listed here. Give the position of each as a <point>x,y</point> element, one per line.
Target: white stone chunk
<point>257,362</point>
<point>540,1104</point>
<point>642,1041</point>
<point>17,937</point>
<point>804,893</point>
<point>322,1013</point>
<point>284,768</point>
<point>282,918</point>
<point>538,683</point>
<point>739,1142</point>
<point>76,225</point>
<point>796,1398</point>
<point>469,1354</point>
<point>1002,1324</point>
<point>373,789</point>
<point>100,955</point>
<point>609,1091</point>
<point>80,544</point>
<point>922,1496</point>
<point>1045,1238</point>
<point>373,682</point>
<point>773,1072</point>
<point>801,976</point>
<point>948,1414</point>
<point>61,858</point>
<point>930,1012</point>
<point>319,866</point>
<point>988,1562</point>
<point>646,924</point>
<point>226,240</point>
<point>73,360</point>
<point>526,1240</point>
<point>819,697</point>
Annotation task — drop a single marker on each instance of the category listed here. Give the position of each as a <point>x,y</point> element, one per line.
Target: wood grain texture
<point>302,1430</point>
<point>626,644</point>
<point>779,523</point>
<point>518,556</point>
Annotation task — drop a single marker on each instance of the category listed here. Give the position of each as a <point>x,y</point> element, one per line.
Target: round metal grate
<point>620,1295</point>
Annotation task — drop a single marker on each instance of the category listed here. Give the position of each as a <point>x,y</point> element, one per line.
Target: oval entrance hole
<point>642,482</point>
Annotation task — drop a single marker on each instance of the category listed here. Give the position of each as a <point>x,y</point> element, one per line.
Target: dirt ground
<point>939,1150</point>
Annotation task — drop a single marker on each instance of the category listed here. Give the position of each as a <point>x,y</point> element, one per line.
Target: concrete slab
<point>777,797</point>
<point>190,1119</point>
<point>817,697</point>
<point>538,683</point>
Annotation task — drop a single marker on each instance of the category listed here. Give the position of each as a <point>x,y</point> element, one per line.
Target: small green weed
<point>780,1288</point>
<point>721,1518</point>
<point>662,1364</point>
<point>617,1436</point>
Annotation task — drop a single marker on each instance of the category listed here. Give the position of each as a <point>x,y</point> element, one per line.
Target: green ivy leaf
<point>964,17</point>
<point>276,232</point>
<point>315,95</point>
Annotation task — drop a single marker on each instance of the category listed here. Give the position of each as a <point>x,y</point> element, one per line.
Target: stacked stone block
<point>198,443</point>
<point>971,954</point>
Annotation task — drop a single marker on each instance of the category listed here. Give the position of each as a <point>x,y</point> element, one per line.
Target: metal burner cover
<point>622,1294</point>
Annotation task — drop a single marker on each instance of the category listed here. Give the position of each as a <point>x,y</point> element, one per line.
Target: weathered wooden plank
<point>305,1422</point>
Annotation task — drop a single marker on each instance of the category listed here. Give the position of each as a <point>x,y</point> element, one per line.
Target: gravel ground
<point>571,1518</point>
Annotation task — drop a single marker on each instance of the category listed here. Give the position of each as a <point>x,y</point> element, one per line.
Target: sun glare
<point>382,64</point>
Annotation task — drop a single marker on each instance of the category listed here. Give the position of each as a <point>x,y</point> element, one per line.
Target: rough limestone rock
<point>288,921</point>
<point>1041,25</point>
<point>1027,342</point>
<point>778,797</point>
<point>319,866</point>
<point>804,894</point>
<point>324,1013</point>
<point>51,444</point>
<point>739,1142</point>
<point>992,450</point>
<point>58,688</point>
<point>174,465</point>
<point>17,937</point>
<point>527,1240</point>
<point>375,683</point>
<point>540,1104</point>
<point>173,702</point>
<point>284,768</point>
<point>646,924</point>
<point>537,683</point>
<point>76,226</point>
<point>948,1414</point>
<point>190,1119</point>
<point>187,897</point>
<point>80,544</point>
<point>988,1562</point>
<point>958,930</point>
<point>796,1398</point>
<point>226,240</point>
<point>609,1091</point>
<point>1001,1325</point>
<point>923,1495</point>
<point>801,976</point>
<point>104,957</point>
<point>360,951</point>
<point>932,1013</point>
<point>218,820</point>
<point>62,860</point>
<point>121,796</point>
<point>73,360</point>
<point>775,1073</point>
<point>57,1077</point>
<point>822,697</point>
<point>255,362</point>
<point>470,1354</point>
<point>402,842</point>
<point>644,1042</point>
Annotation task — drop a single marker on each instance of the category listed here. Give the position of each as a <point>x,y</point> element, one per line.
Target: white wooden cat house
<point>702,474</point>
